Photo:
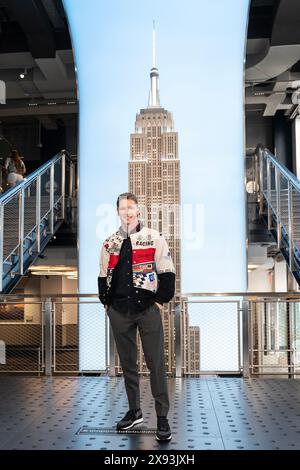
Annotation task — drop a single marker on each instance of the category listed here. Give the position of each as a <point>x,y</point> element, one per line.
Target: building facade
<point>154,177</point>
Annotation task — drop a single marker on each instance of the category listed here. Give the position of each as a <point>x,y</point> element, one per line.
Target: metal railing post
<point>291,226</point>
<point>245,331</point>
<point>178,358</point>
<point>43,337</point>
<point>38,213</point>
<point>269,192</point>
<point>292,339</point>
<point>1,244</point>
<point>256,172</point>
<point>51,221</point>
<point>48,335</point>
<point>112,353</point>
<point>54,336</point>
<point>71,180</point>
<point>39,362</point>
<point>261,181</point>
<point>278,207</point>
<point>63,184</point>
<point>21,231</point>
<point>71,193</point>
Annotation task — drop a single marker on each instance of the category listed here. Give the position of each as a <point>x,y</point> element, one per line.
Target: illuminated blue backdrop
<point>200,54</point>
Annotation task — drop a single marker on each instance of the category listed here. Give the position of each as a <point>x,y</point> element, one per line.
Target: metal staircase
<point>30,214</point>
<point>278,196</point>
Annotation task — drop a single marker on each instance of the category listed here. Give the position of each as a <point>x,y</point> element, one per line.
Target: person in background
<point>15,168</point>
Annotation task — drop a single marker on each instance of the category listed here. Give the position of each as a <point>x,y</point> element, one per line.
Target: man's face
<point>128,211</point>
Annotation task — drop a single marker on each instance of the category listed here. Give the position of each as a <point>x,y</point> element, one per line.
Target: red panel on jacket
<point>143,255</point>
<point>113,259</point>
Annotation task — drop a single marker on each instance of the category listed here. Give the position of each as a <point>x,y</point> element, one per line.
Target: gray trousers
<point>149,323</point>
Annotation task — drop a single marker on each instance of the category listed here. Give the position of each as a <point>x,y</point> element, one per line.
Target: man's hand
<point>160,306</point>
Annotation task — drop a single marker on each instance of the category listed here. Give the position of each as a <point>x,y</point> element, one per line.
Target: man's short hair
<point>130,196</point>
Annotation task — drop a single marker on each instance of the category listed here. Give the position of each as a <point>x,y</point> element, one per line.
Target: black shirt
<point>126,298</point>
<point>122,295</point>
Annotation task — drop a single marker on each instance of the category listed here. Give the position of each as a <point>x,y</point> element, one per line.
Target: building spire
<point>153,46</point>
<point>154,94</point>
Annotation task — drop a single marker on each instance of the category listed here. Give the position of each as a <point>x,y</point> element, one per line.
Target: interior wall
<point>259,130</point>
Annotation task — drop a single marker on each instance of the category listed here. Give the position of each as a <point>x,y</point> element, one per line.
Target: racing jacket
<point>153,271</point>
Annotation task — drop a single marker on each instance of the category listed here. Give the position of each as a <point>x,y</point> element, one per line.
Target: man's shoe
<point>131,418</point>
<point>163,432</point>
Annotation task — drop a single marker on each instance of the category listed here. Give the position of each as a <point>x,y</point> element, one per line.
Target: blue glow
<point>200,52</point>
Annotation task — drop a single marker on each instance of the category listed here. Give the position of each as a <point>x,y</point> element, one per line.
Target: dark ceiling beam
<point>62,40</point>
<point>296,68</point>
<point>13,42</point>
<point>261,18</point>
<point>286,28</point>
<point>262,3</point>
<point>54,15</point>
<point>39,110</point>
<point>32,18</point>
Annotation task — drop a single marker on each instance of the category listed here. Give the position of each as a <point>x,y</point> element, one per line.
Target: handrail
<point>280,295</point>
<point>258,346</point>
<point>287,173</point>
<point>279,193</point>
<point>8,194</point>
<point>31,212</point>
<point>68,155</point>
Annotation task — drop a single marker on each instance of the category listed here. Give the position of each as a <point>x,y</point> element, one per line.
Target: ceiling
<point>35,42</point>
<point>272,74</point>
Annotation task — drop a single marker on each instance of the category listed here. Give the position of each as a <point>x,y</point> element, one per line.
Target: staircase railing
<point>30,213</point>
<point>279,200</point>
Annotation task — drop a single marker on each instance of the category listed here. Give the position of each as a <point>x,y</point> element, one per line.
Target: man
<point>137,276</point>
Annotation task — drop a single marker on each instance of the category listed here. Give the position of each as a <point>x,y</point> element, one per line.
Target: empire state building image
<point>154,177</point>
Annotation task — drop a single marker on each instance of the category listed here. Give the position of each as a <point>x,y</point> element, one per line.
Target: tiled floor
<point>205,413</point>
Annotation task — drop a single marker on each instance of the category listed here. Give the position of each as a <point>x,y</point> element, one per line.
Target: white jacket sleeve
<point>102,285</point>
<point>104,258</point>
<point>163,258</point>
<point>165,271</point>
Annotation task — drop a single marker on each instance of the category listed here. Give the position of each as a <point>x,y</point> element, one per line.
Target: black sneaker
<point>131,418</point>
<point>163,432</point>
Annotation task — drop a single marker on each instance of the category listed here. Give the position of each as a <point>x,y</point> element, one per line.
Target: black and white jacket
<point>153,270</point>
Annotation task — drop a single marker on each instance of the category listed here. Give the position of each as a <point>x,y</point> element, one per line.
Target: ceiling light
<point>251,267</point>
<point>75,277</point>
<point>24,73</point>
<point>53,270</point>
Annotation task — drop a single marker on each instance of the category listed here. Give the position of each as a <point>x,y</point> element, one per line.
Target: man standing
<point>137,276</point>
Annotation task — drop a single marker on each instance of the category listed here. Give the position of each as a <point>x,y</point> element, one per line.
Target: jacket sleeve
<point>102,286</point>
<point>166,272</point>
